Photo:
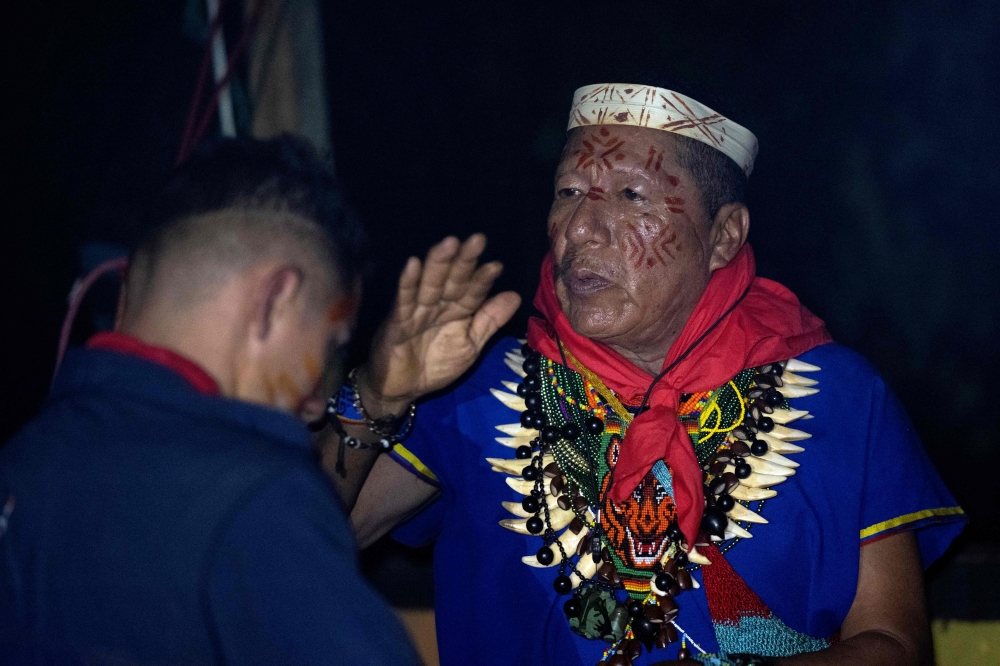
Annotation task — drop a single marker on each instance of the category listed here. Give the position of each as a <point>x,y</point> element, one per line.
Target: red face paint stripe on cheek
<point>673,180</point>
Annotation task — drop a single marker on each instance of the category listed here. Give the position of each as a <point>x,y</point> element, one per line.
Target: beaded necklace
<point>566,442</point>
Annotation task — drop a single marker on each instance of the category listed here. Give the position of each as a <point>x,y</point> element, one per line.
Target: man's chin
<point>595,322</point>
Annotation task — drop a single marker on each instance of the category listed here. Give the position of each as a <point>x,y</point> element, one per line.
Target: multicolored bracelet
<point>345,408</point>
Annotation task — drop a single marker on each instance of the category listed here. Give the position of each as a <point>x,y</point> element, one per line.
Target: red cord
<point>80,289</point>
<point>230,68</point>
<point>206,61</point>
<point>191,138</point>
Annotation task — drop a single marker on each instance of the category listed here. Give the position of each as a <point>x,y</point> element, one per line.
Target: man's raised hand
<point>438,327</point>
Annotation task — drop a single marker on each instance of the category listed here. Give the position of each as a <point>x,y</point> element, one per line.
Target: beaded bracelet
<point>346,407</point>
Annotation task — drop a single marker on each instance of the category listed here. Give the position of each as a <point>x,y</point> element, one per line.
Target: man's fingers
<point>491,316</point>
<point>409,281</point>
<point>464,266</point>
<point>436,269</point>
<point>480,284</point>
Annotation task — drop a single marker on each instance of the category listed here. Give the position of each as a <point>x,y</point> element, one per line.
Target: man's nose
<point>589,224</point>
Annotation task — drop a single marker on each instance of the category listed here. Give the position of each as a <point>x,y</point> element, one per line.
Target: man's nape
<point>246,294</point>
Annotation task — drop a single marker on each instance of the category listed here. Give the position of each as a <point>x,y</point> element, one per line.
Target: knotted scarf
<point>741,321</point>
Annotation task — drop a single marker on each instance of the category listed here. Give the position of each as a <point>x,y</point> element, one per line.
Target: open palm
<point>439,325</point>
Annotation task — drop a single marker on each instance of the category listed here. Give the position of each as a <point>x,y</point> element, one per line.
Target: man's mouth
<point>584,281</point>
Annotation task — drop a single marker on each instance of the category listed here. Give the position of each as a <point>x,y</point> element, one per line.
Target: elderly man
<point>166,505</point>
<point>678,463</point>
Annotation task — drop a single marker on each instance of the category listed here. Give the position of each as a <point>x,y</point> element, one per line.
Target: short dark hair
<point>282,174</point>
<point>720,180</point>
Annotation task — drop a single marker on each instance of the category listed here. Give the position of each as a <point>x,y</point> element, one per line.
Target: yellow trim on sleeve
<point>909,518</point>
<point>408,456</point>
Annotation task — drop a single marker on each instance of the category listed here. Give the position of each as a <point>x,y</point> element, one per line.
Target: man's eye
<point>632,195</point>
<point>567,192</point>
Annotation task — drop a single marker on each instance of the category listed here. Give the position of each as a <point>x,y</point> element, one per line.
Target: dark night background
<point>874,197</point>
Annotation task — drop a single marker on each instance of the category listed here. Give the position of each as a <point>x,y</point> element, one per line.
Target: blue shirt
<point>152,523</point>
<point>863,475</point>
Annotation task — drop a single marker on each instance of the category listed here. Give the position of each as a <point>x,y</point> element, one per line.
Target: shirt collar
<point>186,368</point>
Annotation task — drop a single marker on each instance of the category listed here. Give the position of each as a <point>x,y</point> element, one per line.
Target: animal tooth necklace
<point>625,574</point>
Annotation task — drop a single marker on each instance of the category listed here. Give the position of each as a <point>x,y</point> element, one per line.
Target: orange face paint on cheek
<point>268,389</point>
<point>313,369</point>
<point>288,389</point>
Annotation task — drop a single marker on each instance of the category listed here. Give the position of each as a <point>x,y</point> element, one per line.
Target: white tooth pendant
<point>748,494</point>
<point>517,430</point>
<point>569,540</point>
<point>511,400</point>
<point>795,391</point>
<point>514,442</point>
<point>587,568</point>
<point>778,459</point>
<point>764,467</point>
<point>558,519</point>
<point>778,445</point>
<point>515,366</point>
<point>756,479</point>
<point>739,513</point>
<point>515,466</point>
<point>515,356</point>
<point>795,365</point>
<point>787,434</point>
<point>518,510</point>
<point>523,487</point>
<point>784,416</point>
<point>733,530</point>
<point>511,386</point>
<point>696,557</point>
<point>797,380</point>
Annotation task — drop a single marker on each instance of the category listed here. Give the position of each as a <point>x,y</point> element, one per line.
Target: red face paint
<point>595,194</point>
<point>661,244</point>
<point>340,310</point>
<point>635,246</point>
<point>597,150</point>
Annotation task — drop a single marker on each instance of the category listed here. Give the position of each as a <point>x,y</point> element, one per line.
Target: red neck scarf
<point>741,321</point>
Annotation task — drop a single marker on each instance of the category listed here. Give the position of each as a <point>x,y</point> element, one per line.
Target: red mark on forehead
<point>597,150</point>
<point>673,180</point>
<point>655,159</point>
<point>595,194</point>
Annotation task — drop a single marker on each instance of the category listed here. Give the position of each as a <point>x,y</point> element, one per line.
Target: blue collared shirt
<point>152,523</point>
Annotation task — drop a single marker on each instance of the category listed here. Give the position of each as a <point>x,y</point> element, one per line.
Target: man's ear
<point>278,292</point>
<point>729,233</point>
